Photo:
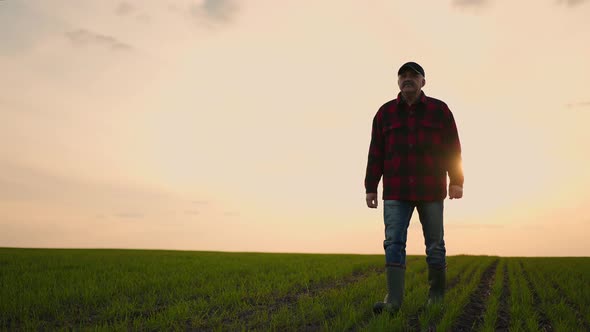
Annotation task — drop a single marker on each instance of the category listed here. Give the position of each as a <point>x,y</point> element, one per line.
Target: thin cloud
<point>470,3</point>
<point>23,183</point>
<point>124,8</point>
<point>130,215</point>
<point>578,105</point>
<point>83,37</point>
<point>127,9</point>
<point>473,225</point>
<point>571,3</point>
<point>215,10</point>
<point>144,18</point>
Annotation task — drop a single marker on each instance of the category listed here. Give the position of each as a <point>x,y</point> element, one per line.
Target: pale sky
<point>244,125</point>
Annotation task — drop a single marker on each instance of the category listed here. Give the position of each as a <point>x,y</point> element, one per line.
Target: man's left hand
<point>455,191</point>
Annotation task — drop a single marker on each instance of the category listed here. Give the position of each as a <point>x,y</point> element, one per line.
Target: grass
<point>54,289</point>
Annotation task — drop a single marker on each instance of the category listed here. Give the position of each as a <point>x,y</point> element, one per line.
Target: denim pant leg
<point>431,218</point>
<point>396,215</point>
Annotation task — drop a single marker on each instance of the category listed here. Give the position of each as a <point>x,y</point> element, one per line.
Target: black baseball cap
<point>411,65</point>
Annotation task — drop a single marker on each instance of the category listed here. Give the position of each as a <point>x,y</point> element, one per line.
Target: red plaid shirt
<point>413,148</point>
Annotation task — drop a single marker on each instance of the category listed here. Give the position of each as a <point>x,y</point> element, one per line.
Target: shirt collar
<point>421,99</point>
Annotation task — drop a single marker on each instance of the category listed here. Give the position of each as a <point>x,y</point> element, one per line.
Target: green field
<point>77,289</point>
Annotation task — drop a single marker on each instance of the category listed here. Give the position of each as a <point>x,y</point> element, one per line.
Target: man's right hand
<point>372,200</point>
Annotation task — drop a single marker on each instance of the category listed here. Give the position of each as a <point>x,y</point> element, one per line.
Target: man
<point>414,144</point>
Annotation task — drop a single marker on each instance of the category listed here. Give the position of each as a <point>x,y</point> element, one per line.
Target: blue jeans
<point>397,215</point>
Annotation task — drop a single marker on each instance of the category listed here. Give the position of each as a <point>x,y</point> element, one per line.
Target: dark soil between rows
<point>473,313</point>
<point>503,319</point>
<point>544,322</point>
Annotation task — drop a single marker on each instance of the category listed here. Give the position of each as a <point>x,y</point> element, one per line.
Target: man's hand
<point>372,200</point>
<point>455,191</point>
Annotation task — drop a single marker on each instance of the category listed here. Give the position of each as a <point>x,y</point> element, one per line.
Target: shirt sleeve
<point>375,158</point>
<point>453,151</point>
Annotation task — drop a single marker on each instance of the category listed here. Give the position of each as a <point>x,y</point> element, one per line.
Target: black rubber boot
<point>437,281</point>
<point>395,290</point>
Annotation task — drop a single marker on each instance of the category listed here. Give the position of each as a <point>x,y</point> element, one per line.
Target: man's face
<point>410,81</point>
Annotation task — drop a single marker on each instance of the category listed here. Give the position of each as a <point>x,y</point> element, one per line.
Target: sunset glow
<point>244,125</point>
